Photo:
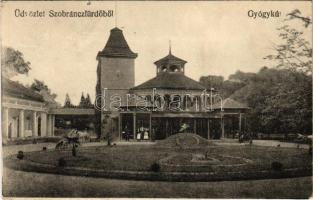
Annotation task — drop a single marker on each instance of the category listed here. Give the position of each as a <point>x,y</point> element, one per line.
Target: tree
<point>88,102</point>
<point>295,52</point>
<point>13,63</point>
<point>44,90</point>
<point>82,103</point>
<point>280,98</point>
<point>68,102</point>
<point>242,77</point>
<point>280,101</point>
<point>227,87</point>
<point>212,81</point>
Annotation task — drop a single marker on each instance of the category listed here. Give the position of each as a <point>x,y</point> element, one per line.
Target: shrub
<point>155,167</point>
<point>44,148</point>
<point>61,162</point>
<point>277,166</point>
<point>20,155</point>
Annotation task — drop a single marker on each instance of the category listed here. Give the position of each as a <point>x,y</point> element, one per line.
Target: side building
<point>25,113</point>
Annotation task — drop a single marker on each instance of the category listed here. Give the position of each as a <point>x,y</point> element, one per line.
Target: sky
<point>215,38</point>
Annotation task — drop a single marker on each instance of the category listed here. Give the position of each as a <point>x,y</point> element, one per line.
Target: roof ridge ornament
<point>170,48</point>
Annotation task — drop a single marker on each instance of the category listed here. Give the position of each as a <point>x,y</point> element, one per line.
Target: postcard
<point>156,99</point>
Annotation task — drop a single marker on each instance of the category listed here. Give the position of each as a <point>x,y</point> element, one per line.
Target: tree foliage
<point>212,81</point>
<point>13,63</point>
<point>68,102</point>
<point>280,101</point>
<point>85,102</point>
<point>44,90</point>
<point>280,97</point>
<point>224,88</point>
<point>294,52</point>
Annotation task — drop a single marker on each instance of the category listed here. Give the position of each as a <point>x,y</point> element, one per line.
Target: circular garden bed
<point>154,162</point>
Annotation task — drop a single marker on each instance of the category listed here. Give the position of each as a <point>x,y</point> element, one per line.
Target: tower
<point>116,74</point>
<point>170,64</point>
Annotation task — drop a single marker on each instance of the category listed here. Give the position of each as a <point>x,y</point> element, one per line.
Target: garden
<point>173,159</point>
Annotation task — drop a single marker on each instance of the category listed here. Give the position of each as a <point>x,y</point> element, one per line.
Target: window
<point>174,68</point>
<point>164,68</point>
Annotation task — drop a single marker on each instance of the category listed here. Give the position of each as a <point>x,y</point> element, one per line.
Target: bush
<point>61,162</point>
<point>277,166</point>
<point>20,155</point>
<point>155,167</point>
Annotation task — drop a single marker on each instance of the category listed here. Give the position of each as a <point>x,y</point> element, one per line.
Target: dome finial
<point>170,47</point>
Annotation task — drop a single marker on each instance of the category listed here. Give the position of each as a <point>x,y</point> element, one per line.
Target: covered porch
<point>25,119</point>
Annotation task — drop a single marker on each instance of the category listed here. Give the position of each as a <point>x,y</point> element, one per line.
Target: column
<point>6,123</point>
<point>134,125</point>
<point>49,125</point>
<point>21,124</point>
<point>166,127</point>
<point>53,124</point>
<point>222,126</point>
<point>181,103</point>
<point>119,126</point>
<point>239,123</point>
<point>43,124</point>
<point>35,124</point>
<point>208,128</point>
<point>150,128</point>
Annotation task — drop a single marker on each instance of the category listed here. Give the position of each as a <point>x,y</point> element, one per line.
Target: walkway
<point>267,143</point>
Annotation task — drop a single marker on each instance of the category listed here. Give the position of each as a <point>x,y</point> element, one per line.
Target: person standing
<point>126,133</point>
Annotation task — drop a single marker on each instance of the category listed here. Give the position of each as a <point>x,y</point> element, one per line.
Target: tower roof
<point>117,46</point>
<point>171,59</point>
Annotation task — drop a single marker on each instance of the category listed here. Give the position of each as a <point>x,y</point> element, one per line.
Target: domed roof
<point>171,81</point>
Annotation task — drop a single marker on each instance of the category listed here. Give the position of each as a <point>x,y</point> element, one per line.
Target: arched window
<point>167,99</point>
<point>197,102</point>
<point>164,69</point>
<point>176,104</point>
<point>187,103</point>
<point>174,68</point>
<point>148,98</point>
<point>158,100</point>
